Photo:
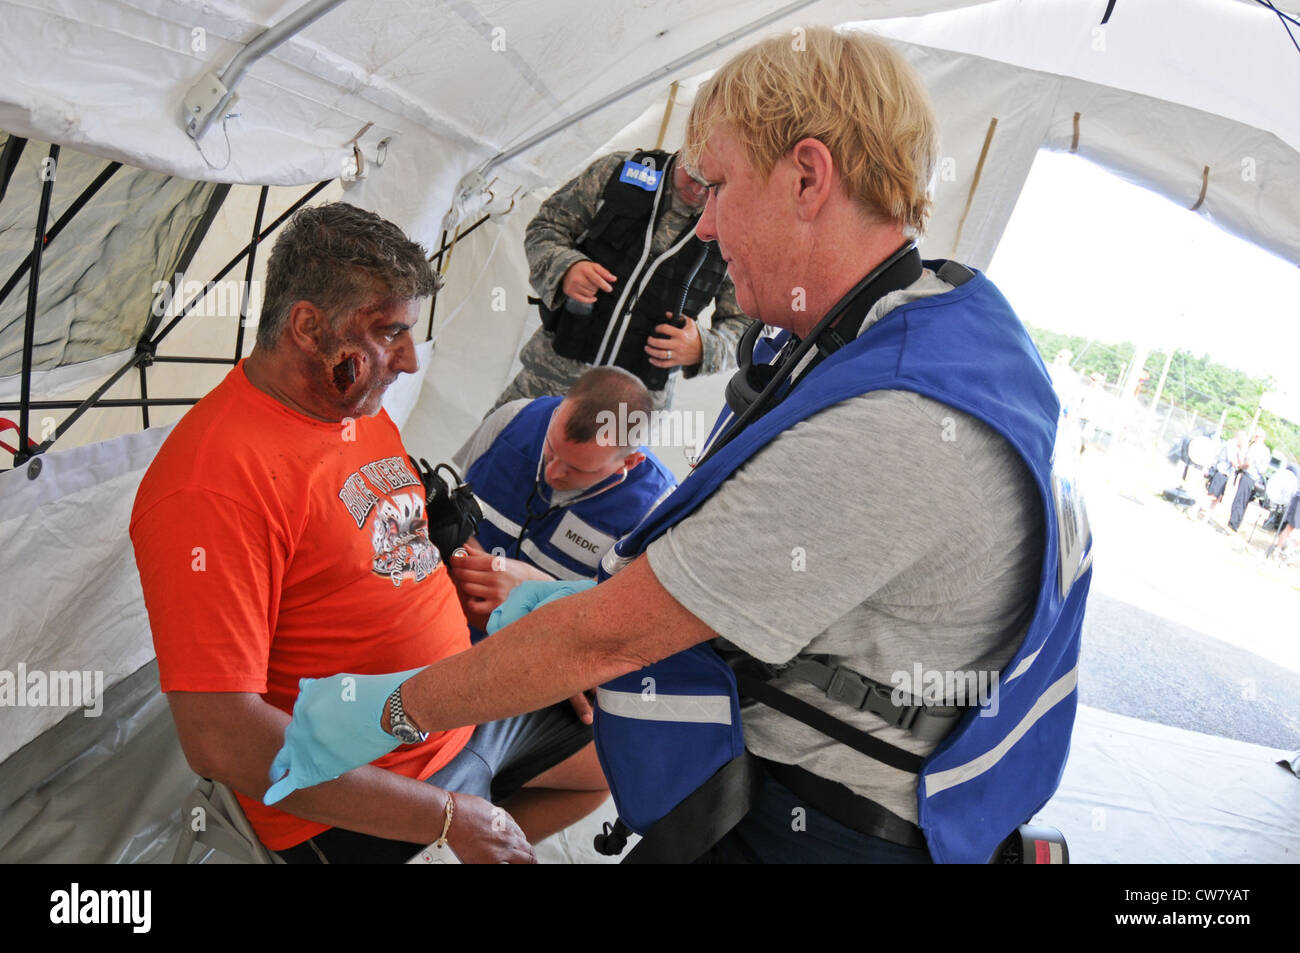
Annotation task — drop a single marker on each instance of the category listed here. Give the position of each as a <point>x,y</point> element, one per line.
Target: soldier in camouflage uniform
<point>565,244</point>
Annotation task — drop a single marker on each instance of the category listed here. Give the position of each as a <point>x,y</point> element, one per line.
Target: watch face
<point>406,734</point>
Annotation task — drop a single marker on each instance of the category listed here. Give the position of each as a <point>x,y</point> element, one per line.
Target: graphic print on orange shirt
<point>399,531</point>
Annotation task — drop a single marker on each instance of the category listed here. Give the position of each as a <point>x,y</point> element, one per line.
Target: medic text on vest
<point>579,541</point>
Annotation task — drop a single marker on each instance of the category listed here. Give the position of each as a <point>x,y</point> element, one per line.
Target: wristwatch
<point>399,726</point>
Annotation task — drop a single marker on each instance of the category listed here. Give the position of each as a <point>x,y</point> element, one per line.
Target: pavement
<point>1187,624</point>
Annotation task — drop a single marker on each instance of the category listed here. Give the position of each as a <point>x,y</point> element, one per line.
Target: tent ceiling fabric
<point>1230,59</point>
<point>419,73</point>
<point>450,86</point>
<point>1253,180</point>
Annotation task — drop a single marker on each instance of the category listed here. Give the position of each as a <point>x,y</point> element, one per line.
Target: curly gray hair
<point>339,257</point>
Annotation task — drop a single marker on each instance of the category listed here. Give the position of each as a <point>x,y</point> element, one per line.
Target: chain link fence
<point>1108,418</point>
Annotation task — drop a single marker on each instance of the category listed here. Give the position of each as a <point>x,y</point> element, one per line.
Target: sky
<point>1087,253</point>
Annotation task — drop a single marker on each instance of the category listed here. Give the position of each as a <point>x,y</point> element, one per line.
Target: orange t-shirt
<point>274,547</point>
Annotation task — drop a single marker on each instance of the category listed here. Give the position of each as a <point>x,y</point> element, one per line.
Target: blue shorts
<point>502,756</point>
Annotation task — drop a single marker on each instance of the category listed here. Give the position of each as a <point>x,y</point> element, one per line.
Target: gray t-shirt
<point>886,531</point>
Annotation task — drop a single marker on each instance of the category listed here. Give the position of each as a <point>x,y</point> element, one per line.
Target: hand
<point>336,727</point>
<point>527,596</point>
<point>582,707</point>
<point>476,617</point>
<point>484,580</point>
<point>482,833</point>
<point>585,278</point>
<point>671,346</point>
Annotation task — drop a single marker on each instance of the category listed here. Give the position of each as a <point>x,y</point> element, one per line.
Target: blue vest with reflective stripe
<point>569,541</point>
<point>966,349</point>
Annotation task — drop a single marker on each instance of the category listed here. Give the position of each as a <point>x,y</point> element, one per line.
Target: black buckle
<point>848,688</point>
<point>856,691</point>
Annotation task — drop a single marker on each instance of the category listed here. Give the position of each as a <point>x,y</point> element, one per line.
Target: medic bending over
<point>790,550</point>
<point>559,482</point>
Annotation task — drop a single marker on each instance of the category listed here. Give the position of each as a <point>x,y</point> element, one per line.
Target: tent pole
<point>439,266</point>
<point>254,50</point>
<point>145,348</point>
<point>433,302</point>
<point>84,405</point>
<point>676,66</point>
<point>86,195</point>
<point>436,257</point>
<point>668,114</point>
<point>160,359</point>
<point>248,272</point>
<point>311,193</point>
<point>215,201</point>
<point>144,395</point>
<point>143,356</point>
<point>29,326</point>
<point>14,146</point>
<point>129,402</point>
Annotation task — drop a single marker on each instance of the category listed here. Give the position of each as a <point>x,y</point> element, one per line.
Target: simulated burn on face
<point>345,373</point>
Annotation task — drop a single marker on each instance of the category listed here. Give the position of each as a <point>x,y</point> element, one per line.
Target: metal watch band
<point>399,726</point>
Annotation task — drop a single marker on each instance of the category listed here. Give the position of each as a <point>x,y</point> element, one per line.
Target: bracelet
<point>446,824</point>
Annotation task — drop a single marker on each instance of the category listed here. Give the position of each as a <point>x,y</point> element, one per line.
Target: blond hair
<point>851,91</point>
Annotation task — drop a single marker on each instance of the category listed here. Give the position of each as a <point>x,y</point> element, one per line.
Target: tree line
<point>1196,384</point>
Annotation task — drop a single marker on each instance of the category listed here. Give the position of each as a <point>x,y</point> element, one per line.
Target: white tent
<point>434,116</point>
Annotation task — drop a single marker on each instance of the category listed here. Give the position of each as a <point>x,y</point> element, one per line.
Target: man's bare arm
<point>555,652</point>
<point>232,737</point>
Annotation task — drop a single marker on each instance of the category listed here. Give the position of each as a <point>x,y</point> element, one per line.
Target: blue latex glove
<point>527,596</point>
<point>335,728</point>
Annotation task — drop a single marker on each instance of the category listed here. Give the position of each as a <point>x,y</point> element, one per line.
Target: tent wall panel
<point>97,277</point>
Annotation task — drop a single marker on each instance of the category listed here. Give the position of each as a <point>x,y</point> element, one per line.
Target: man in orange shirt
<point>281,534</point>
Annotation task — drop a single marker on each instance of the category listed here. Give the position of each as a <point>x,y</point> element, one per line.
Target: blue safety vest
<point>568,542</point>
<point>663,731</point>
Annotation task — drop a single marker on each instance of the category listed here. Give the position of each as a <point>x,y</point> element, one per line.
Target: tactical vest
<point>648,287</point>
<point>679,719</point>
<point>567,542</point>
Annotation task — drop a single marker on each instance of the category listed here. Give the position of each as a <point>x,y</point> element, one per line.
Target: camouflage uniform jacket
<point>551,244</point>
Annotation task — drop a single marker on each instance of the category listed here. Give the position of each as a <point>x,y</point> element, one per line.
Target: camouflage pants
<point>546,374</point>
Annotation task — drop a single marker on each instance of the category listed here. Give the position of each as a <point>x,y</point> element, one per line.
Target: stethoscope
<point>535,494</point>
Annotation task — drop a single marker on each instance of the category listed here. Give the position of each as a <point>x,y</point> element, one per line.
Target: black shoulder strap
<point>706,815</point>
<point>895,277</point>
<point>829,725</point>
<point>703,817</point>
